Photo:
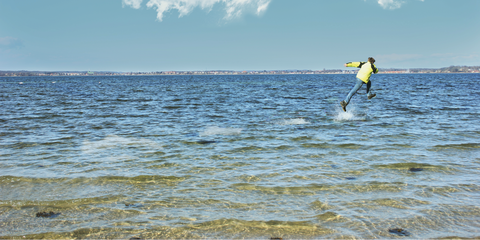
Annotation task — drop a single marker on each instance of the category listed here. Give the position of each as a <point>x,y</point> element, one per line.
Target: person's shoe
<point>372,96</point>
<point>344,105</point>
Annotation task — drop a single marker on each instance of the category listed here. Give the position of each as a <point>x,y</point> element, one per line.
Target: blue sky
<point>162,35</point>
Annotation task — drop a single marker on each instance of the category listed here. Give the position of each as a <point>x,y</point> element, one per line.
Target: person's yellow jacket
<point>366,70</point>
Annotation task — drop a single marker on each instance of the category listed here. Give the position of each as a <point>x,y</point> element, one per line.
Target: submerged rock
<point>413,169</point>
<point>399,231</point>
<point>135,205</point>
<point>47,214</point>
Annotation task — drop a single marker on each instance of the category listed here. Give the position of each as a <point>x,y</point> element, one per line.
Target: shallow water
<point>239,157</point>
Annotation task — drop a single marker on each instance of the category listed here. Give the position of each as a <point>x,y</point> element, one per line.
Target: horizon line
<point>224,70</point>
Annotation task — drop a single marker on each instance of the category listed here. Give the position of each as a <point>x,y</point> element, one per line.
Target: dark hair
<point>371,60</point>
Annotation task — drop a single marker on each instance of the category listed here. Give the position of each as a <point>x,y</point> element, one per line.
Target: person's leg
<point>369,84</point>
<point>352,92</point>
<point>371,95</point>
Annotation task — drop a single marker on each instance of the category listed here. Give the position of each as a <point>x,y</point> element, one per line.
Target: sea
<point>239,157</point>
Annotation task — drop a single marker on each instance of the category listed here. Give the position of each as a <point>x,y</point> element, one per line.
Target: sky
<point>199,35</point>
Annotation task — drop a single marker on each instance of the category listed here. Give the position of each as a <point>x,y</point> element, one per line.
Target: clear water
<point>239,157</point>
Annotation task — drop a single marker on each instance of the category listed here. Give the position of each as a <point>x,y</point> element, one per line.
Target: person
<point>363,76</point>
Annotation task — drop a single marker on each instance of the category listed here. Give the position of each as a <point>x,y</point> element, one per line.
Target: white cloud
<point>262,6</point>
<point>10,43</point>
<point>132,3</point>
<point>390,4</point>
<point>233,8</point>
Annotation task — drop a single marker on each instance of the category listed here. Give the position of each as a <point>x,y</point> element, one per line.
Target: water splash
<point>345,116</point>
<point>214,130</point>
<point>352,114</point>
<point>296,121</point>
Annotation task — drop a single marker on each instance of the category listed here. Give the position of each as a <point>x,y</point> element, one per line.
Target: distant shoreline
<point>120,75</point>
<point>451,69</point>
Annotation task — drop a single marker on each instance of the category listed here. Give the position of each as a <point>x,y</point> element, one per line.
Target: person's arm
<point>374,69</point>
<point>354,64</point>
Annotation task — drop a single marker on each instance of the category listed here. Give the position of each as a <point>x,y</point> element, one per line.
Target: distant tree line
<point>455,69</point>
<point>451,69</point>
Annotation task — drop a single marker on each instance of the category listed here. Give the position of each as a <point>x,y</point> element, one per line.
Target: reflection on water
<point>239,157</point>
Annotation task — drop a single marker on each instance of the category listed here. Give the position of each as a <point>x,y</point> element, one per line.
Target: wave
<point>114,141</point>
<point>309,189</point>
<point>461,146</point>
<point>296,121</point>
<point>225,228</point>
<point>334,146</point>
<point>214,130</point>
<point>140,179</point>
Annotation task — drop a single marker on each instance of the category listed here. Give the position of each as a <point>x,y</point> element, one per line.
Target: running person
<point>363,76</point>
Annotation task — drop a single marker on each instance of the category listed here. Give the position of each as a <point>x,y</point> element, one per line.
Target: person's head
<point>371,60</point>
